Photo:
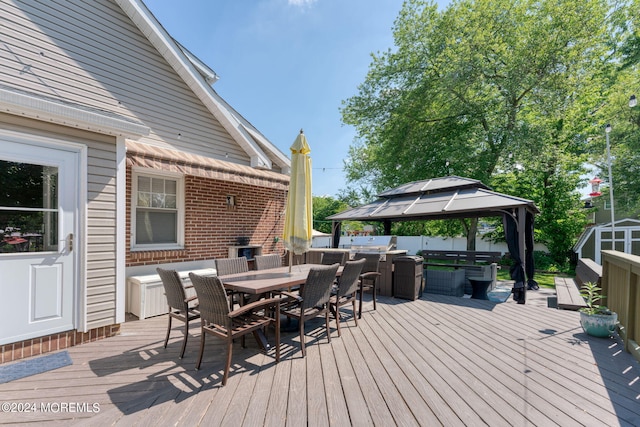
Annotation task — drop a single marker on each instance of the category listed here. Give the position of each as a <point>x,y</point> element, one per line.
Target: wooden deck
<point>437,361</point>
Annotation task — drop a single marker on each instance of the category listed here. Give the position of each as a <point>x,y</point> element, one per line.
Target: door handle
<point>69,242</point>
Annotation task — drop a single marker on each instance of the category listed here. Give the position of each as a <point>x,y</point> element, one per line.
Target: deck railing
<point>621,286</point>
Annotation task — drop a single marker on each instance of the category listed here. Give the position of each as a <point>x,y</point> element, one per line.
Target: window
<point>28,207</point>
<point>607,205</point>
<point>157,211</point>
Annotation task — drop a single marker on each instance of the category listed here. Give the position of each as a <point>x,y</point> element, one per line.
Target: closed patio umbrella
<point>298,218</point>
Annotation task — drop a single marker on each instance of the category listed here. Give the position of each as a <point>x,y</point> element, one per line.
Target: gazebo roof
<point>437,198</point>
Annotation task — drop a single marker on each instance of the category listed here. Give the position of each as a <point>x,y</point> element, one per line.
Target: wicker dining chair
<point>312,300</point>
<point>181,307</point>
<point>346,293</point>
<point>265,262</point>
<point>369,277</point>
<point>226,266</point>
<point>217,319</point>
<point>329,258</point>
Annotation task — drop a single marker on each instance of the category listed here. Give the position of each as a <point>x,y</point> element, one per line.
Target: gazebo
<point>455,197</point>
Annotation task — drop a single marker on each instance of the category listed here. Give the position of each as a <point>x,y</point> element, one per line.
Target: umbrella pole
<point>290,260</point>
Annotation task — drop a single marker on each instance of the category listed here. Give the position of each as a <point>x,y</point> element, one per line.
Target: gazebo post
<point>387,227</point>
<point>335,233</point>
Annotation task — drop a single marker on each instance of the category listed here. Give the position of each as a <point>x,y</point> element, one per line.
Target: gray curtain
<point>517,272</point>
<point>529,264</point>
<point>336,227</point>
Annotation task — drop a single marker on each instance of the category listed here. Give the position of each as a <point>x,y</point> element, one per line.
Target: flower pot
<point>598,325</point>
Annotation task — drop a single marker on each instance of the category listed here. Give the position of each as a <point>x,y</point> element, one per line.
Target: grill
<point>373,244</point>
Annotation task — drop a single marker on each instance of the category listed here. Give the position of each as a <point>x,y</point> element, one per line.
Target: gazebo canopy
<point>437,198</point>
<point>455,197</point>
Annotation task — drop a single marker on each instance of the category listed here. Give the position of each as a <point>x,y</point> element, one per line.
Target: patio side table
<point>480,286</point>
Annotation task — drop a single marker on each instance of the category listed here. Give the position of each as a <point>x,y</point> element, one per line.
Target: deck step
<point>569,297</point>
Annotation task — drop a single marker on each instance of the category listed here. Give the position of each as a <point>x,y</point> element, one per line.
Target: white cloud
<point>301,2</point>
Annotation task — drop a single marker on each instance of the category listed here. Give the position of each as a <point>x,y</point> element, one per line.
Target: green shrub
<point>543,261</point>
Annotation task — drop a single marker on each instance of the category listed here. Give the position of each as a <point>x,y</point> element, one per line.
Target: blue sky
<point>287,64</point>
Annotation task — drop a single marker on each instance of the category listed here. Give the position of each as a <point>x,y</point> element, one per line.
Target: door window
<point>28,207</point>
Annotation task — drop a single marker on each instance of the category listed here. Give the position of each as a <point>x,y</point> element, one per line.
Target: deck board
<point>377,408</point>
<point>398,407</point>
<point>276,416</point>
<point>439,360</point>
<point>457,359</point>
<point>401,379</point>
<point>258,403</point>
<point>427,357</point>
<point>499,381</point>
<point>544,389</point>
<point>238,406</point>
<point>297,402</point>
<point>356,405</point>
<point>316,398</point>
<point>337,412</point>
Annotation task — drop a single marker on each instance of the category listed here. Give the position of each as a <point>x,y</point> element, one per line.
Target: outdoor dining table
<point>260,282</point>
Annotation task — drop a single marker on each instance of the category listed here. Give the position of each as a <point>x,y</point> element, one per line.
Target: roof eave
<point>435,216</point>
<point>177,59</point>
<point>67,114</point>
<point>209,75</point>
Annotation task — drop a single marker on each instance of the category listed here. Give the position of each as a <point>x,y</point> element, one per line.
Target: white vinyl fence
<point>412,244</point>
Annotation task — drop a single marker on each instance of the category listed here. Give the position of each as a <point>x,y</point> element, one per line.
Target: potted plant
<point>596,320</point>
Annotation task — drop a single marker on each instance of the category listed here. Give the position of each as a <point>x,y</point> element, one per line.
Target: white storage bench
<point>145,294</point>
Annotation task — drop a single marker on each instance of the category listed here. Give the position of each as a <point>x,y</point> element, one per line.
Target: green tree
<point>482,89</point>
<point>614,109</point>
<point>631,38</point>
<point>323,207</point>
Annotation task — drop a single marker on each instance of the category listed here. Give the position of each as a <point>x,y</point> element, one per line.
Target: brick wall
<point>211,226</point>
<point>54,342</point>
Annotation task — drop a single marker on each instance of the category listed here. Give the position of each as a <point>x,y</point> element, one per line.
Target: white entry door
<point>38,217</point>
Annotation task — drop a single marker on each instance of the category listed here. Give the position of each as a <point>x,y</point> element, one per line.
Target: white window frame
<point>180,206</point>
<point>607,205</point>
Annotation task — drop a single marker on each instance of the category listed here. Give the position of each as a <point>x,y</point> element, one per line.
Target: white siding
<point>90,53</point>
<point>101,227</point>
<point>100,276</point>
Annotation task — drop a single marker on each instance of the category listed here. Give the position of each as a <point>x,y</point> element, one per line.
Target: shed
<point>597,238</point>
